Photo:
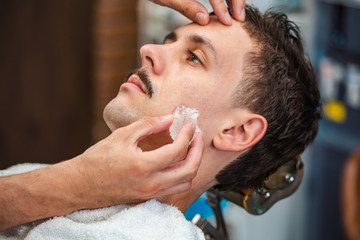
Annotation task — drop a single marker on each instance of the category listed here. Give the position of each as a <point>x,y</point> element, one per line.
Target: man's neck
<point>183,200</point>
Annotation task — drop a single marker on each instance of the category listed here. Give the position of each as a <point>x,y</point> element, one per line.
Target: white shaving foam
<point>182,116</point>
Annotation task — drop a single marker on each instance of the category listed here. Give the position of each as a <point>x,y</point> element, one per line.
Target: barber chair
<point>281,184</point>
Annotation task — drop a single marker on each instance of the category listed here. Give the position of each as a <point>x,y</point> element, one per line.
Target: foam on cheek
<point>182,116</point>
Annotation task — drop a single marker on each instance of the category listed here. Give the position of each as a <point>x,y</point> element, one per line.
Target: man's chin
<point>116,116</point>
<point>111,126</point>
<point>115,123</point>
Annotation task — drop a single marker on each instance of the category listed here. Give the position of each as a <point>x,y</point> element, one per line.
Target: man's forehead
<point>212,25</point>
<point>216,31</point>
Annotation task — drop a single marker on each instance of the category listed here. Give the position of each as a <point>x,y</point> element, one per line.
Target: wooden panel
<point>115,53</point>
<point>61,62</point>
<point>45,80</point>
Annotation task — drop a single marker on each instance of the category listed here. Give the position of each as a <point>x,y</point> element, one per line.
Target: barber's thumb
<point>150,125</point>
<point>192,9</point>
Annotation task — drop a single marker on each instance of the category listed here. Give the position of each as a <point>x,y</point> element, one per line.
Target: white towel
<point>150,220</point>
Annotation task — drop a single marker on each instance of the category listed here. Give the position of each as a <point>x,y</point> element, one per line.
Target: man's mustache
<point>144,78</point>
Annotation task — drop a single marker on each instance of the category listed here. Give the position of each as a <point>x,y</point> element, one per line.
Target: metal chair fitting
<point>281,184</point>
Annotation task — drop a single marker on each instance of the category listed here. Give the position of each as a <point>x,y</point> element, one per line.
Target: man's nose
<point>153,56</point>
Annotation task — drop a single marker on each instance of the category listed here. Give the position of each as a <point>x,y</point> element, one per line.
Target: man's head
<point>220,71</point>
<point>280,85</point>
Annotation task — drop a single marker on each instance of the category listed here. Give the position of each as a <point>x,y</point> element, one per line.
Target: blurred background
<point>62,61</point>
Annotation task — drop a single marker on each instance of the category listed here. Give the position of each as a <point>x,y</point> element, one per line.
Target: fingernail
<point>166,117</point>
<point>228,17</point>
<point>200,18</point>
<point>193,127</point>
<point>242,15</point>
<point>235,13</point>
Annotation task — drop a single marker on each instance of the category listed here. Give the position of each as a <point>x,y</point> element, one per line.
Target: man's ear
<point>241,133</point>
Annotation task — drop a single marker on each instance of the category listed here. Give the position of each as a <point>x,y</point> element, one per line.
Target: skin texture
<point>199,68</point>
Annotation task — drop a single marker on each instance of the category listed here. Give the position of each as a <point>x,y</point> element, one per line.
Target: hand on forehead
<point>196,12</point>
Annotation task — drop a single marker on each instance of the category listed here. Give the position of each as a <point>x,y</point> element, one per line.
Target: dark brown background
<point>61,61</point>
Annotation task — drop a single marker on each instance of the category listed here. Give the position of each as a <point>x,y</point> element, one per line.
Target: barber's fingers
<point>221,11</point>
<point>174,152</point>
<point>196,12</point>
<point>180,175</point>
<point>191,9</point>
<point>146,127</point>
<point>192,160</point>
<point>237,9</point>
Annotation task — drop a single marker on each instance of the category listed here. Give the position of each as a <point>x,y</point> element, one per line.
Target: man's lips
<point>135,83</point>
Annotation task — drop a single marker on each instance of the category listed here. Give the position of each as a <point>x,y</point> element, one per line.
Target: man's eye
<point>193,58</point>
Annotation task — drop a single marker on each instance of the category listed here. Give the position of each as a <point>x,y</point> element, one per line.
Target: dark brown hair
<point>279,83</point>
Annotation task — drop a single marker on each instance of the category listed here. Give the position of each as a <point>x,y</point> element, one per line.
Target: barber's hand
<point>119,171</point>
<point>196,12</point>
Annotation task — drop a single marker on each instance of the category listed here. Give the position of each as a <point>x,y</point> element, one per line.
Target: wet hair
<point>279,83</point>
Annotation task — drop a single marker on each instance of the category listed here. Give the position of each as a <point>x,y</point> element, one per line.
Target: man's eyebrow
<point>171,36</point>
<point>194,38</point>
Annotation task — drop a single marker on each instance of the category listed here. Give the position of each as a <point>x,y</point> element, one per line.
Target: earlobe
<point>241,134</point>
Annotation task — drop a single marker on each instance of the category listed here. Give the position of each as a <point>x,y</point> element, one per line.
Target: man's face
<point>197,66</point>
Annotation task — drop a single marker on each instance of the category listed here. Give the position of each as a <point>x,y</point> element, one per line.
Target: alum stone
<point>182,116</point>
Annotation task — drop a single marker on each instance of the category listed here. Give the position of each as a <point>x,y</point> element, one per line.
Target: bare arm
<point>113,171</point>
<point>196,12</point>
<point>38,194</point>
